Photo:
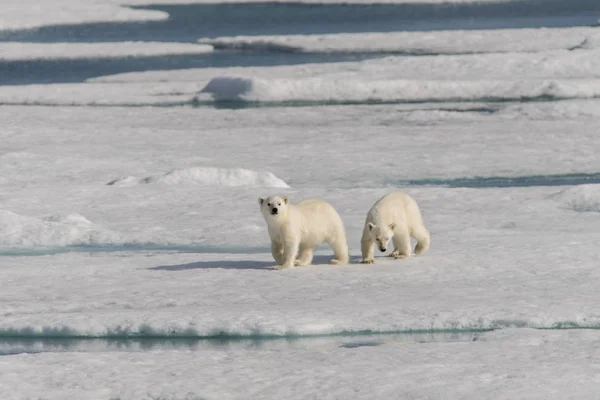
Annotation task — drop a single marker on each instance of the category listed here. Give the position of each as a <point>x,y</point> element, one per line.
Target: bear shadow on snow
<point>232,264</point>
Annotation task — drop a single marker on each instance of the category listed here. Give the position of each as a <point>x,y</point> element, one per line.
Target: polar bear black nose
<point>274,211</point>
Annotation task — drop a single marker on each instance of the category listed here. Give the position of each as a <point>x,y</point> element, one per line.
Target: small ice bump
<point>582,198</point>
<point>73,219</point>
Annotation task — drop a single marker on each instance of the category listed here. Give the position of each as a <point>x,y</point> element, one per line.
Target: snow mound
<point>582,198</point>
<point>227,177</point>
<point>394,90</point>
<point>56,230</point>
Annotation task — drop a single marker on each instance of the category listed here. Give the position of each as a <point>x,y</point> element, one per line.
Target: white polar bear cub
<point>297,229</point>
<point>395,216</point>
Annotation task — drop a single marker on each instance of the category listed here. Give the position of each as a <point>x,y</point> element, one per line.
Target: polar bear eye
<point>278,204</point>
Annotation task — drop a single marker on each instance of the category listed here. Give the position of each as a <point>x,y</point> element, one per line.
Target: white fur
<point>297,229</point>
<point>395,216</point>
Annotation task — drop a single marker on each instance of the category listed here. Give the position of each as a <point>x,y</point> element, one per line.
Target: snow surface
<point>346,90</point>
<point>55,230</point>
<point>501,365</point>
<point>554,74</point>
<point>434,42</point>
<point>210,177</point>
<point>523,249</point>
<point>514,76</point>
<point>585,198</point>
<point>512,275</point>
<point>188,256</point>
<point>13,51</point>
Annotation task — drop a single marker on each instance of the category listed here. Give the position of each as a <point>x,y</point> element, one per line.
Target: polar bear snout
<point>274,211</point>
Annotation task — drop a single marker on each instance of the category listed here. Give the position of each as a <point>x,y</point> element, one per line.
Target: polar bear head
<point>273,207</point>
<point>381,235</point>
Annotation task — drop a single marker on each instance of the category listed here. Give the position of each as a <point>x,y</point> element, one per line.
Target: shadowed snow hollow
<point>229,177</point>
<point>583,198</point>
<point>56,230</point>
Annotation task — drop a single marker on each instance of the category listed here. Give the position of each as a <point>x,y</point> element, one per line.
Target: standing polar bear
<point>297,229</point>
<point>395,216</point>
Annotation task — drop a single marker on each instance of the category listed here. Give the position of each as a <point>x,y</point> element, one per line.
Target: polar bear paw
<point>280,267</point>
<point>371,261</point>
<point>399,256</point>
<point>300,263</point>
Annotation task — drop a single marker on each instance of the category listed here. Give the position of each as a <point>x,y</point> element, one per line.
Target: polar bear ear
<point>261,201</point>
<point>371,226</point>
<point>286,200</point>
<point>392,226</point>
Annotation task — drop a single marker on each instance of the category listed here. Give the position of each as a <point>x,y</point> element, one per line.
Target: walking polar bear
<point>395,216</point>
<point>297,229</point>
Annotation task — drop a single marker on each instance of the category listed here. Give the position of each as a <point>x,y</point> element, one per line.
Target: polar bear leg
<point>277,251</point>
<point>305,256</point>
<point>401,240</point>
<point>423,238</point>
<point>340,250</point>
<point>290,249</point>
<point>367,246</point>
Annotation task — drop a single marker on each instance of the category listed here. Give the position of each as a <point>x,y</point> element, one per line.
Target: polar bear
<point>297,229</point>
<point>395,216</point>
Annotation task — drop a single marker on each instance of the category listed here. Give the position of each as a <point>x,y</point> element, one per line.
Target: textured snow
<point>101,94</point>
<point>403,90</point>
<point>188,255</point>
<point>125,143</point>
<point>500,257</point>
<point>56,230</point>
<point>443,42</point>
<point>559,74</point>
<point>12,51</point>
<point>544,75</point>
<point>209,177</point>
<point>511,275</point>
<point>584,198</point>
<point>501,365</point>
<point>536,73</point>
<point>557,64</point>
